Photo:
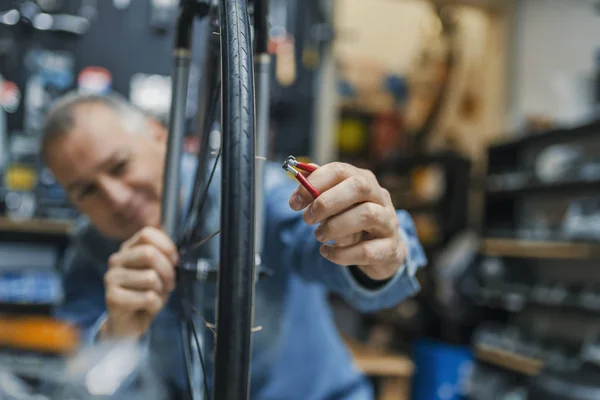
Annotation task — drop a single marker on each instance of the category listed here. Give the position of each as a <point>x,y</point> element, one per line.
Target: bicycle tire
<point>236,274</point>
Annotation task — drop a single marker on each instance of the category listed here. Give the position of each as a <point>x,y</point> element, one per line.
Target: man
<point>109,157</point>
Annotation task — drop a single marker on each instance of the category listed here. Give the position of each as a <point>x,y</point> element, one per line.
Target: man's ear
<point>158,131</point>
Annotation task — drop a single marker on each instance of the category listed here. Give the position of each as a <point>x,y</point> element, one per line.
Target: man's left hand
<point>357,214</point>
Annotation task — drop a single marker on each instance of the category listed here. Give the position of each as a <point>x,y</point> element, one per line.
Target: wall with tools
<point>46,49</point>
<point>83,51</point>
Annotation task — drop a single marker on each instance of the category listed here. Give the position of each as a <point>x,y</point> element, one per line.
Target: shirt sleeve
<point>83,303</point>
<point>296,245</point>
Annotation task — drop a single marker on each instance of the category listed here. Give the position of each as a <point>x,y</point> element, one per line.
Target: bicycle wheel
<point>237,153</point>
<point>228,32</point>
<point>236,273</point>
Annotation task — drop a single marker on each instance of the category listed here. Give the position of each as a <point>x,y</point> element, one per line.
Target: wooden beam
<point>510,361</point>
<point>53,227</point>
<point>539,249</point>
<point>378,363</point>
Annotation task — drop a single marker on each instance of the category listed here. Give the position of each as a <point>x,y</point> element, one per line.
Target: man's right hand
<point>140,277</point>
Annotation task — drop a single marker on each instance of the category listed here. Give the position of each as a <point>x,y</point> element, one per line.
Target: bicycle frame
<point>233,341</point>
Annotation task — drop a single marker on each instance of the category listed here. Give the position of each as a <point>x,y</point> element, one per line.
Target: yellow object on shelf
<point>20,177</point>
<point>352,135</point>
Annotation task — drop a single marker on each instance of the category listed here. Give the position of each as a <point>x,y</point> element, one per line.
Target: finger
<point>324,178</point>
<point>155,237</point>
<point>140,280</point>
<point>387,198</point>
<point>369,252</point>
<point>354,190</point>
<point>296,200</point>
<point>146,256</point>
<point>349,239</point>
<point>366,217</point>
<point>121,299</point>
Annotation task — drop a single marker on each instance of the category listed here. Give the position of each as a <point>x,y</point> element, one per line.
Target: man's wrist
<point>107,331</point>
<point>365,281</point>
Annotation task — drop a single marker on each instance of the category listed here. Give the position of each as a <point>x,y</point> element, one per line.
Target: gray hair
<point>60,119</point>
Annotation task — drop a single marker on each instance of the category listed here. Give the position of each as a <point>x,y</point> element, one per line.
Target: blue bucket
<point>442,371</point>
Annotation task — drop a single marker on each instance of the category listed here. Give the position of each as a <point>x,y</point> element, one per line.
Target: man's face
<point>112,175</point>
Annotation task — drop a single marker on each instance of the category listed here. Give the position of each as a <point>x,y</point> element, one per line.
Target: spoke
<point>190,234</point>
<point>197,202</point>
<point>203,241</point>
<point>209,325</point>
<point>194,332</point>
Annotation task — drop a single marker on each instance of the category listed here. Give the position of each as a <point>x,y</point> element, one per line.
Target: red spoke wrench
<point>291,162</point>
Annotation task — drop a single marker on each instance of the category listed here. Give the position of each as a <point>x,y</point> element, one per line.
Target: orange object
<point>38,334</point>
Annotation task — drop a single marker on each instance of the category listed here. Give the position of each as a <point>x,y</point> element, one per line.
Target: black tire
<point>236,274</point>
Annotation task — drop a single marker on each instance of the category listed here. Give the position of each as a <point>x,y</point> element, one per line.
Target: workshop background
<point>480,116</point>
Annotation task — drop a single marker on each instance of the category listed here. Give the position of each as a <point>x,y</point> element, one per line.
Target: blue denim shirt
<point>298,353</point>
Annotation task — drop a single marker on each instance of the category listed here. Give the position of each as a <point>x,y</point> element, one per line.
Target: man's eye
<point>86,192</point>
<point>119,168</point>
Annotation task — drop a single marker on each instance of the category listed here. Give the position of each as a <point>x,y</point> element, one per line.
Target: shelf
<point>516,301</point>
<point>33,365</point>
<point>567,187</point>
<point>539,249</point>
<point>36,226</point>
<point>551,136</point>
<point>378,363</point>
<point>507,360</point>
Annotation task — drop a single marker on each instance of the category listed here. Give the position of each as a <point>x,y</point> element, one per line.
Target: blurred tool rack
<point>31,341</point>
<point>538,285</point>
<point>433,188</point>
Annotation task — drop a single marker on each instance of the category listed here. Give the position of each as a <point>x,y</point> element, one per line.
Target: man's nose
<point>115,192</point>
